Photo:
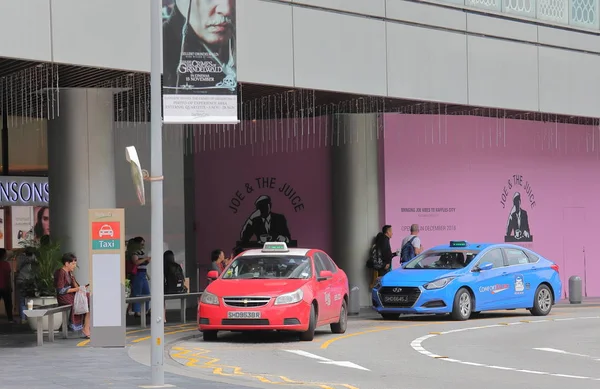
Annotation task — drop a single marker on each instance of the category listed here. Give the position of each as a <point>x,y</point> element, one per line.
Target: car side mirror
<point>324,275</point>
<point>213,275</point>
<point>484,267</point>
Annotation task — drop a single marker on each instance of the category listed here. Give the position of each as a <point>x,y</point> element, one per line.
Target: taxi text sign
<point>106,235</point>
<point>107,267</point>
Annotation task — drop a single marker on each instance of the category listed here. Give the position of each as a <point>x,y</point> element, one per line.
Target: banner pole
<point>156,198</point>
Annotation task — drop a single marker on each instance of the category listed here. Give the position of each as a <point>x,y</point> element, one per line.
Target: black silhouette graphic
<point>265,225</point>
<point>517,228</point>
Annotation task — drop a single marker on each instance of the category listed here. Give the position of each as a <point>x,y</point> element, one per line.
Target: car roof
<point>470,246</point>
<point>290,251</point>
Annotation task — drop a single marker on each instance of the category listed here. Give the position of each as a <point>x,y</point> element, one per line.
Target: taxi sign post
<point>107,275</point>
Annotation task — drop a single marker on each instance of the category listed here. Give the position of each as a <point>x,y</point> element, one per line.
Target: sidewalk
<point>64,365</point>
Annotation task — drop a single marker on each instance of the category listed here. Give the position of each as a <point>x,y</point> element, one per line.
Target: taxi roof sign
<point>274,247</point>
<point>458,243</point>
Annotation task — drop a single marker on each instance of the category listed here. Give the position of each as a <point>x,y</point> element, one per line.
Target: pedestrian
<point>6,284</point>
<point>411,245</point>
<point>384,250</point>
<point>139,285</point>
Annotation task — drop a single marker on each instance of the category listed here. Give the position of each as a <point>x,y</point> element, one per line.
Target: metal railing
<point>576,13</point>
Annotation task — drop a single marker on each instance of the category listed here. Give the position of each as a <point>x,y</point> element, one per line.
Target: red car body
<point>237,303</point>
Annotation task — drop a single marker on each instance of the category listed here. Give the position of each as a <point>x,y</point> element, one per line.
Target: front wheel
<point>209,336</point>
<point>309,334</point>
<point>390,316</point>
<point>542,301</point>
<point>340,326</point>
<point>463,305</point>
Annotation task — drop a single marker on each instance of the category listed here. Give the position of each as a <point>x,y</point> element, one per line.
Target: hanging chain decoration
<point>289,121</point>
<point>30,94</point>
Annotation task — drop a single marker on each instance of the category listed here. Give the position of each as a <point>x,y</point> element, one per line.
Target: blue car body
<point>512,282</point>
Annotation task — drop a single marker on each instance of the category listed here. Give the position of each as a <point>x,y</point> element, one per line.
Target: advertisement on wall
<point>29,224</point>
<point>2,240</point>
<point>199,62</point>
<point>526,183</point>
<point>250,199</point>
<point>22,226</point>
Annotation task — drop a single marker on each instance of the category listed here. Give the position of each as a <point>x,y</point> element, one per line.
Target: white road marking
<point>327,361</point>
<point>553,350</point>
<point>308,355</point>
<point>418,346</point>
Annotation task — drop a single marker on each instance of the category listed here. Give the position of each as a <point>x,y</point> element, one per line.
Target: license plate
<point>243,315</point>
<point>395,299</point>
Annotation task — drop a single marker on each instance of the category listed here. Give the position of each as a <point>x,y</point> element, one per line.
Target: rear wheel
<point>463,305</point>
<point>309,334</point>
<point>340,326</point>
<point>542,301</point>
<point>209,336</point>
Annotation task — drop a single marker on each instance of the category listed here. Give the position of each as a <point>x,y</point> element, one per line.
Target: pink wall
<point>223,173</point>
<point>457,170</point>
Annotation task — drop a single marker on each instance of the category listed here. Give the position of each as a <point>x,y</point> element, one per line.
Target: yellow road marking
<point>199,357</point>
<point>166,333</point>
<point>181,327</point>
<point>328,343</point>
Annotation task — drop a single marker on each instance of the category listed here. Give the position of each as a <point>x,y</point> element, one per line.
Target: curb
<point>582,305</point>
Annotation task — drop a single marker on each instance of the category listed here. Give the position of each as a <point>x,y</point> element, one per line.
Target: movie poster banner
<point>199,62</point>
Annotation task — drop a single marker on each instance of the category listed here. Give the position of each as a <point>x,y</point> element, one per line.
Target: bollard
<point>354,308</point>
<point>575,290</point>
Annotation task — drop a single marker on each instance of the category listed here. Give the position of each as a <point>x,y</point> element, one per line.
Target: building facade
<point>354,114</point>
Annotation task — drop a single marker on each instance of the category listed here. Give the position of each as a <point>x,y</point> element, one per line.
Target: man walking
<point>411,245</point>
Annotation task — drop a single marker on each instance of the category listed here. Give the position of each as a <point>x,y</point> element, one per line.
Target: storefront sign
<point>24,191</point>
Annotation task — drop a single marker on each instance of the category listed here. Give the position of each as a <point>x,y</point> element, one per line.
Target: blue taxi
<point>463,278</point>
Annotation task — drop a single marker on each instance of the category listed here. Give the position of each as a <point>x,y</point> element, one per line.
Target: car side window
<point>327,262</point>
<point>494,257</point>
<point>319,266</point>
<point>532,257</point>
<point>516,257</point>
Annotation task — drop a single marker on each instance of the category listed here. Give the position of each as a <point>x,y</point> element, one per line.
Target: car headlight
<point>438,284</point>
<point>377,283</point>
<point>209,298</point>
<point>290,298</point>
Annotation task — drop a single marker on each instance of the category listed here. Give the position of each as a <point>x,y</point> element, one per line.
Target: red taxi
<point>276,288</point>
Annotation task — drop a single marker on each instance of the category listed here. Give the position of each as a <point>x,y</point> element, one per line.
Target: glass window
<point>494,257</point>
<point>516,257</point>
<point>319,265</point>
<point>269,267</point>
<point>532,257</point>
<point>445,259</point>
<point>327,262</point>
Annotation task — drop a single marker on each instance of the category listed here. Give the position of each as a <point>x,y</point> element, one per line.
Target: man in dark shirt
<point>383,244</point>
<point>6,284</point>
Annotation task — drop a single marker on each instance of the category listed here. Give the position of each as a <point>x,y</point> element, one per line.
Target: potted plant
<point>41,288</point>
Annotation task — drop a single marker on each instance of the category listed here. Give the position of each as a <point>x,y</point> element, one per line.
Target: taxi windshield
<point>271,267</point>
<point>442,259</point>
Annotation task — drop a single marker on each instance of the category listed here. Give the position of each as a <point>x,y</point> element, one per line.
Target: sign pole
<point>156,200</point>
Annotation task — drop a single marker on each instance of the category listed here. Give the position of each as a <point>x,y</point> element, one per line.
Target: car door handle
<point>505,273</point>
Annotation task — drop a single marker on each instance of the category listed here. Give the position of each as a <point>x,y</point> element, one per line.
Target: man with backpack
<point>411,245</point>
<point>381,254</point>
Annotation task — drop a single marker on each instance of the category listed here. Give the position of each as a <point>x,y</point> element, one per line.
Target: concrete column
<point>81,168</point>
<point>356,196</point>
<point>189,188</point>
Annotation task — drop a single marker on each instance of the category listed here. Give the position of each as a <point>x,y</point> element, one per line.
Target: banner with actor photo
<point>199,62</point>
